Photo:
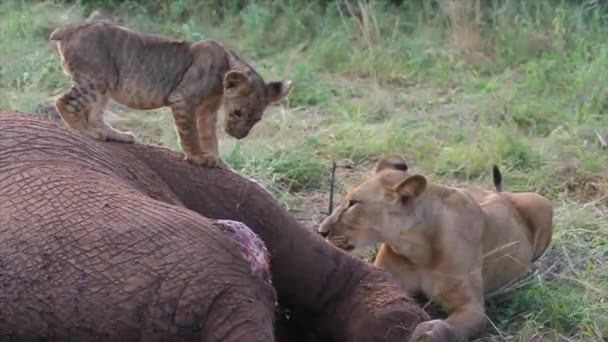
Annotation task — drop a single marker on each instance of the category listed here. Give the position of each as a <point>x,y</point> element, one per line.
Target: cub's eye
<point>237,113</point>
<point>352,202</point>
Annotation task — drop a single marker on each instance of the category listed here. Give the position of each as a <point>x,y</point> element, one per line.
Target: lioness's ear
<point>237,82</point>
<point>394,162</point>
<point>411,186</point>
<point>278,90</point>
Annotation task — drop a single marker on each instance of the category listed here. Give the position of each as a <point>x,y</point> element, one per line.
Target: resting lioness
<point>450,244</point>
<point>145,71</point>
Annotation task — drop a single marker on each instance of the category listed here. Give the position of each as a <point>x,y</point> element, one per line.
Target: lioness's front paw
<point>206,160</point>
<point>434,331</point>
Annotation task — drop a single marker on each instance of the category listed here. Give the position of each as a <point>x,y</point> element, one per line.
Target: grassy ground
<point>454,89</point>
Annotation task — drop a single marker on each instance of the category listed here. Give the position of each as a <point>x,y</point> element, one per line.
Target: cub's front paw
<point>434,331</point>
<point>206,160</point>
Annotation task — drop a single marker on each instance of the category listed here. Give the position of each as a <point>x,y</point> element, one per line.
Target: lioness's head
<point>377,209</point>
<point>246,96</point>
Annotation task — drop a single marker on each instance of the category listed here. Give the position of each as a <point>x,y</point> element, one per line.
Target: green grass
<point>526,88</point>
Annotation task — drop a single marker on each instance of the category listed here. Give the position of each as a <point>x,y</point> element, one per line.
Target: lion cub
<point>450,244</point>
<point>146,71</point>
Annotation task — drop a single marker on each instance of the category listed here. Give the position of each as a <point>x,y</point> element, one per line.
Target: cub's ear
<point>411,186</point>
<point>278,89</point>
<point>394,162</point>
<point>236,82</point>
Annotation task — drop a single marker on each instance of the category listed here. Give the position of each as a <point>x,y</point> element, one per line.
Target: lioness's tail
<point>497,178</point>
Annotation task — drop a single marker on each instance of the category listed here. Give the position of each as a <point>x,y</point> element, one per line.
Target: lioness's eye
<point>352,202</point>
<point>237,113</point>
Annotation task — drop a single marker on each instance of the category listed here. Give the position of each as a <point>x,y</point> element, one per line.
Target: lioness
<point>146,71</point>
<point>450,244</point>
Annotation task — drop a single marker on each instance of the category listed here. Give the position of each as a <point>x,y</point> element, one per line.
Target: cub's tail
<point>60,33</point>
<point>497,178</point>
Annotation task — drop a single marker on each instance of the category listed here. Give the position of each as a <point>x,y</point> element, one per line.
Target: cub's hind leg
<point>96,122</point>
<point>75,107</point>
<point>82,109</point>
<point>113,134</point>
<point>108,132</point>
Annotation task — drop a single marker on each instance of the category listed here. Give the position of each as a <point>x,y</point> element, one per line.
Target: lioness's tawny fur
<point>146,71</point>
<point>452,245</point>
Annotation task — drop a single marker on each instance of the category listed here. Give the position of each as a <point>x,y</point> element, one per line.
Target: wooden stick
<point>601,139</point>
<point>331,188</point>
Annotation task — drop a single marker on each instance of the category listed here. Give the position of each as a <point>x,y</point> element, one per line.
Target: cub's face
<point>376,209</point>
<point>246,98</point>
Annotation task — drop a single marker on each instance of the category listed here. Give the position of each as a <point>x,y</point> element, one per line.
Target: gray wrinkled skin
<point>88,253</point>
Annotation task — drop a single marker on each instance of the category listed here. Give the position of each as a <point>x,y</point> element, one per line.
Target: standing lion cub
<point>146,71</point>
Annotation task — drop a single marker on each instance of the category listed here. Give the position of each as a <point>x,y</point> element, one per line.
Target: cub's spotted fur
<point>146,71</point>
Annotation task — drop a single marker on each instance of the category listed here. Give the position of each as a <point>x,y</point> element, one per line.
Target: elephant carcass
<point>343,298</point>
<point>85,255</point>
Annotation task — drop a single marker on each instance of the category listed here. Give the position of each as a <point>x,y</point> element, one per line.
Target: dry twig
<point>602,140</point>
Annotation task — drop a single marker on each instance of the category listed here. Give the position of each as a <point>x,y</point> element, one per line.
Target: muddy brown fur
<point>146,71</point>
<point>338,297</point>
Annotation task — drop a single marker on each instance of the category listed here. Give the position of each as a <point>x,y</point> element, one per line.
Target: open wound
<point>251,246</point>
